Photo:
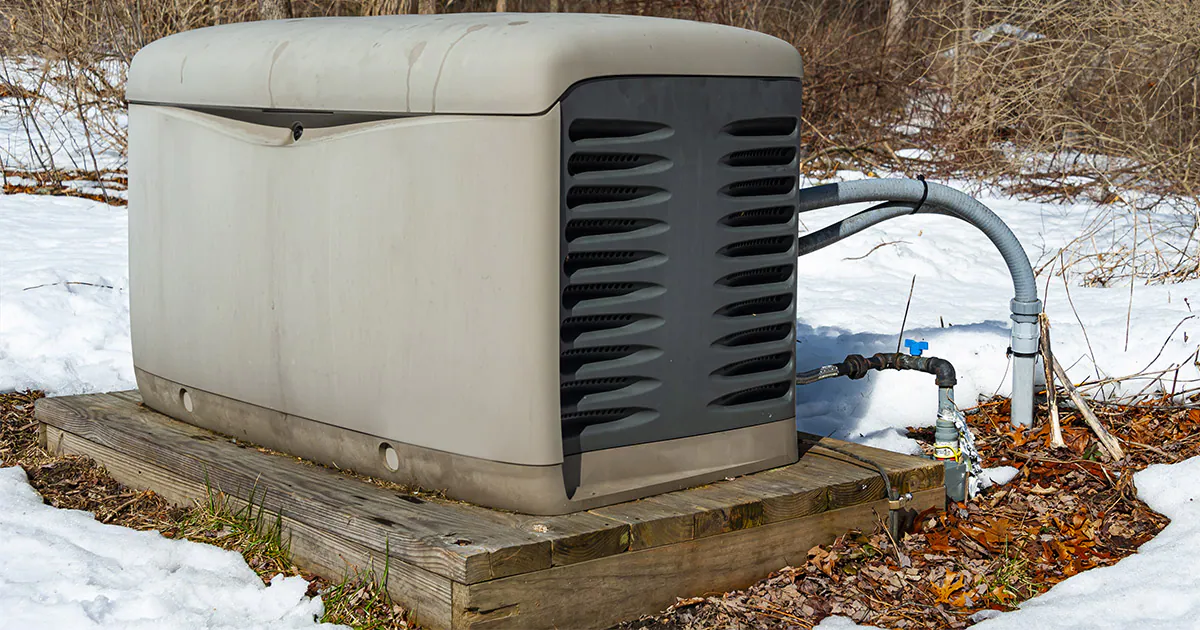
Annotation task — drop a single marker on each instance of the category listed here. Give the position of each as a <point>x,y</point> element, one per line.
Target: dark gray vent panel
<point>678,279</point>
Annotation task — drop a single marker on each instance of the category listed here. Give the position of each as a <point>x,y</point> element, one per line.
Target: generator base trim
<point>592,478</point>
<point>457,565</point>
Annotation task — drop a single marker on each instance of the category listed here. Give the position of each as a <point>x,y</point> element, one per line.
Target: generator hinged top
<point>541,262</point>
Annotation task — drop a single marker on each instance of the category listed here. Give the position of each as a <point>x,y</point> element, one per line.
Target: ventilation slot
<point>765,334</point>
<point>597,162</point>
<point>578,261</point>
<point>597,128</point>
<point>775,156</point>
<point>754,394</point>
<point>576,293</point>
<point>757,306</point>
<point>585,195</point>
<point>766,275</point>
<point>762,216</point>
<point>761,187</point>
<point>578,228</point>
<point>760,127</point>
<point>571,392</point>
<point>570,361</point>
<point>599,416</point>
<point>572,327</point>
<point>759,247</point>
<point>756,365</point>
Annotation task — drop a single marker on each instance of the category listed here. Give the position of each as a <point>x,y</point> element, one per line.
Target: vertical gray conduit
<point>902,197</point>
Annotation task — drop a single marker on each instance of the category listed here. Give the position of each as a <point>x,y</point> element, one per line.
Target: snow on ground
<point>70,338</point>
<point>998,475</point>
<point>65,338</point>
<point>64,328</point>
<point>852,299</point>
<point>62,569</point>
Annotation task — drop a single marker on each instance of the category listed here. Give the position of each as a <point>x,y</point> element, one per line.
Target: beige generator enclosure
<point>539,262</point>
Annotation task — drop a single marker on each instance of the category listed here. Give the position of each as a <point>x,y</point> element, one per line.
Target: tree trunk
<point>501,6</point>
<point>274,9</point>
<point>554,6</point>
<point>897,20</point>
<point>962,48</point>
<point>427,7</point>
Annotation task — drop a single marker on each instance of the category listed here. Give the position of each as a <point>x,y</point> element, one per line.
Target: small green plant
<point>1013,579</point>
<point>361,600</point>
<point>246,526</point>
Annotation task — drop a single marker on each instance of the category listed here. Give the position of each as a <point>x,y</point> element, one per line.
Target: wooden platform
<point>462,566</point>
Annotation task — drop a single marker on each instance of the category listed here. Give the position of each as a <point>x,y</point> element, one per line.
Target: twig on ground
<point>53,284</point>
<point>872,250</point>
<point>1107,441</point>
<point>1056,439</point>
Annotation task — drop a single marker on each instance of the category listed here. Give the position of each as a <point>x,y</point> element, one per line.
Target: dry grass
<point>1106,92</point>
<point>77,483</point>
<point>1105,98</point>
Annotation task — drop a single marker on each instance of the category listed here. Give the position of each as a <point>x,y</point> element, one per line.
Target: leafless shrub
<point>1067,99</point>
<point>1092,94</point>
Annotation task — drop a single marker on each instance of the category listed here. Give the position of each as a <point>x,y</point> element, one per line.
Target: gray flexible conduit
<point>903,197</point>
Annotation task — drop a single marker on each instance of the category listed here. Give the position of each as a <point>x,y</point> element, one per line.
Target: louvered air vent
<point>585,129</point>
<point>778,215</point>
<point>575,421</point>
<point>756,365</point>
<point>596,162</point>
<point>572,392</point>
<point>754,336</point>
<point>774,156</point>
<point>573,327</point>
<point>577,261</point>
<point>758,394</point>
<point>760,174</point>
<point>678,257</point>
<point>761,127</point>
<point>571,360</point>
<point>576,293</point>
<point>579,228</point>
<point>759,247</point>
<point>765,275</point>
<point>757,306</point>
<point>761,187</point>
<point>585,195</point>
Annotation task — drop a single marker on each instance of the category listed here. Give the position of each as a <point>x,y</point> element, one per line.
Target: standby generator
<point>540,262</point>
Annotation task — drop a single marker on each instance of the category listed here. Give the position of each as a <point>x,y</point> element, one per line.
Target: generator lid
<point>473,63</point>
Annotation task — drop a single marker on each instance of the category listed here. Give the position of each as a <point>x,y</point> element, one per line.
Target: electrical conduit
<point>903,197</point>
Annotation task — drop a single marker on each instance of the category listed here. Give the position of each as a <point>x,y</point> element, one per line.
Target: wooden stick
<point>1056,439</point>
<point>1110,444</point>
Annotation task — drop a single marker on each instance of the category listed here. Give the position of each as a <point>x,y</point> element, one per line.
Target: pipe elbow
<point>943,372</point>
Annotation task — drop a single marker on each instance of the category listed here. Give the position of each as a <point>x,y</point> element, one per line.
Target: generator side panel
<point>397,278</point>
<point>678,276</point>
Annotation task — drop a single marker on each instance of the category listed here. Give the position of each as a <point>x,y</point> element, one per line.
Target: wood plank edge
<point>424,593</point>
<point>626,586</point>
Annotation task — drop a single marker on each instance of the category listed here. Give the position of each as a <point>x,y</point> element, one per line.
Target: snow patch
<point>64,299</point>
<point>63,569</point>
<point>998,476</point>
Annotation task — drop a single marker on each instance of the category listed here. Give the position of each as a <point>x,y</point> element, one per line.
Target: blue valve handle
<point>915,348</point>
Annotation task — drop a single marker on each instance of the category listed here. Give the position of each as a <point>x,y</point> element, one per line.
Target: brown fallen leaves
<point>1065,512</point>
<point>55,184</point>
